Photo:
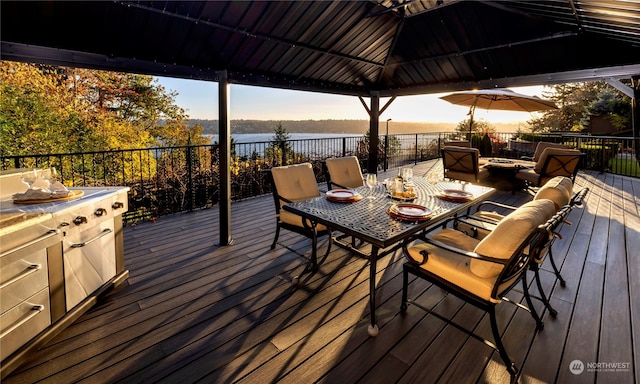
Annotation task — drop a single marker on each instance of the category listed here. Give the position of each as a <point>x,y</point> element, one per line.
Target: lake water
<point>261,137</point>
<point>310,143</point>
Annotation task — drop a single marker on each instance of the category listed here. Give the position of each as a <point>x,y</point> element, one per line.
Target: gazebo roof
<point>389,47</point>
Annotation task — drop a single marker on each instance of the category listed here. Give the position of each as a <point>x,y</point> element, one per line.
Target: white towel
<point>56,191</point>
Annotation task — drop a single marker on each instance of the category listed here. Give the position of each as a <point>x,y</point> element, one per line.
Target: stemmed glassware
<point>407,174</point>
<point>50,175</point>
<point>433,178</point>
<point>29,178</point>
<point>372,180</point>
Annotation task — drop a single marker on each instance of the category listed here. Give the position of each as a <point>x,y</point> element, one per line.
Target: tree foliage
<point>280,143</point>
<point>613,105</point>
<point>480,127</point>
<point>47,109</point>
<point>578,101</point>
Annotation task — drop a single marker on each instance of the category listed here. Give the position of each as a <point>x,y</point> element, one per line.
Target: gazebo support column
<point>635,114</point>
<point>224,135</point>
<point>374,128</point>
<point>374,125</point>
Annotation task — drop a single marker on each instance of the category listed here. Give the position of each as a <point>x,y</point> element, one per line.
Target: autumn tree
<point>47,109</point>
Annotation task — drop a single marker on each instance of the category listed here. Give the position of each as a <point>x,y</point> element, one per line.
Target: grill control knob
<point>79,220</point>
<point>100,211</point>
<point>117,205</point>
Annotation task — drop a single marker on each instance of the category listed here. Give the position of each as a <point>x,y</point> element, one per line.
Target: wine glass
<point>407,174</point>
<point>433,178</point>
<point>50,175</point>
<point>372,180</point>
<point>29,178</point>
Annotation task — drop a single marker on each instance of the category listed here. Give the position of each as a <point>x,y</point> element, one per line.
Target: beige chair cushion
<point>345,171</point>
<point>559,190</point>
<point>292,218</point>
<point>456,239</point>
<point>451,266</point>
<point>296,183</point>
<point>544,145</point>
<point>509,234</point>
<point>529,175</point>
<point>549,151</point>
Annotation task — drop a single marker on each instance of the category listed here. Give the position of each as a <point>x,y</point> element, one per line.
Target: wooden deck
<point>195,312</point>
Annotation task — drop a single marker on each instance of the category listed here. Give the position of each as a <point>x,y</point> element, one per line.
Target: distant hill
<point>333,126</point>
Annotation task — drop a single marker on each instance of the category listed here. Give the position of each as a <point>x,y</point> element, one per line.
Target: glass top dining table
<point>371,220</point>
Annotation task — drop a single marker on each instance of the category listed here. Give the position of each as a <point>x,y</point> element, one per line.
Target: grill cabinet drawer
<point>21,276</point>
<point>22,322</point>
<point>25,308</point>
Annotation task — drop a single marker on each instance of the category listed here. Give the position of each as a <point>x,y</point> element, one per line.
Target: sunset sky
<point>200,100</point>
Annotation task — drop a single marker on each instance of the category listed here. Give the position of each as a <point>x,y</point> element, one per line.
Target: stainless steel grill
<point>55,258</point>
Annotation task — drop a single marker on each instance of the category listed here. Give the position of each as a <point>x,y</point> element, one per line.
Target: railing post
<point>415,151</point>
<point>190,191</point>
<point>602,156</point>
<point>344,146</point>
<point>283,155</point>
<point>386,153</point>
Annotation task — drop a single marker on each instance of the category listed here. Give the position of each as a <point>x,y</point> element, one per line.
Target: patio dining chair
<point>540,147</point>
<point>485,218</point>
<point>552,162</point>
<point>343,172</point>
<point>482,218</point>
<point>481,272</point>
<point>463,164</point>
<point>346,173</point>
<point>290,184</point>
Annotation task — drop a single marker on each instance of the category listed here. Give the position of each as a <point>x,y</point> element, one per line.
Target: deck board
<point>193,311</point>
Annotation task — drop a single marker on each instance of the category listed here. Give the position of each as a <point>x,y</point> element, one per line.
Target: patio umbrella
<point>499,99</point>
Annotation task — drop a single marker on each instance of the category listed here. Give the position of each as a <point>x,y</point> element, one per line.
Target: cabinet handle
<point>104,232</point>
<point>80,220</point>
<point>100,211</point>
<point>117,205</point>
<point>30,269</point>
<point>50,233</point>
<point>35,310</point>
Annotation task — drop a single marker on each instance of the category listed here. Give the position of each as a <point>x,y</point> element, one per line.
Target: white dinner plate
<point>411,210</point>
<point>341,194</point>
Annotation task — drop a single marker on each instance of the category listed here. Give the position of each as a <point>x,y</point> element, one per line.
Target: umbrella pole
<point>472,110</point>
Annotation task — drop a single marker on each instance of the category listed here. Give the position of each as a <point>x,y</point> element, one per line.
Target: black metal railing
<point>168,180</point>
